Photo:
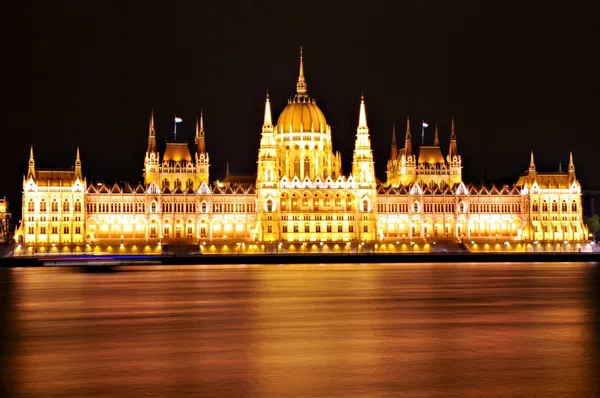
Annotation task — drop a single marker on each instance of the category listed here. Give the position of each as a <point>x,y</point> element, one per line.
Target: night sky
<point>515,77</point>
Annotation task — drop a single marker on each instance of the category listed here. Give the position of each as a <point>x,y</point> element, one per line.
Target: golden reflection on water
<point>493,330</point>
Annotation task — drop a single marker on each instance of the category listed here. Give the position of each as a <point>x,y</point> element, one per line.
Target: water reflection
<point>335,330</point>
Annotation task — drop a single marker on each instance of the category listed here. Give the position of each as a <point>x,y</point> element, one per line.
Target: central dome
<point>302,114</point>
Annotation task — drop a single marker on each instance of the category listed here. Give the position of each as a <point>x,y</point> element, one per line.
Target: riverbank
<point>297,259</point>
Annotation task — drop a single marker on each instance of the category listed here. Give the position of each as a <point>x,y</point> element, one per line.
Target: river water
<point>370,330</point>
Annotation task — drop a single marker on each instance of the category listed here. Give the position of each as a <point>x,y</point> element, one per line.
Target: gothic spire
<point>301,85</point>
<point>571,167</point>
<point>200,133</point>
<point>394,152</point>
<point>78,165</point>
<point>436,138</point>
<point>151,134</point>
<point>268,120</point>
<point>31,168</point>
<point>453,150</point>
<point>531,164</point>
<point>407,139</point>
<point>362,118</point>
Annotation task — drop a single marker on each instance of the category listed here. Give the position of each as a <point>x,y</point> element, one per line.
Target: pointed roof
<point>268,118</point>
<point>301,87</point>
<point>362,118</point>
<point>139,188</point>
<point>151,134</point>
<point>436,138</point>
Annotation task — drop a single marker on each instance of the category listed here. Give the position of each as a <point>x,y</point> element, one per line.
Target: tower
<point>202,158</point>
<point>31,167</point>
<point>267,174</point>
<point>454,160</point>
<point>78,174</point>
<point>571,170</point>
<point>152,158</point>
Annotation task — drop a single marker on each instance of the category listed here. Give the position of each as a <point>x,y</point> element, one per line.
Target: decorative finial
<point>531,162</point>
<point>571,163</point>
<point>77,159</point>
<point>31,153</point>
<point>436,138</point>
<point>201,120</point>
<point>301,85</point>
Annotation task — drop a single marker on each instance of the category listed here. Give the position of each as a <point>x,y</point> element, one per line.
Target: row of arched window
<point>54,207</point>
<point>554,206</point>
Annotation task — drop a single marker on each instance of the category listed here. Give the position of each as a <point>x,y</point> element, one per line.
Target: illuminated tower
<point>152,159</point>
<point>453,158</point>
<point>202,159</point>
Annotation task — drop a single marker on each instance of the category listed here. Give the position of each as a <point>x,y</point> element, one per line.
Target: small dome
<point>302,111</point>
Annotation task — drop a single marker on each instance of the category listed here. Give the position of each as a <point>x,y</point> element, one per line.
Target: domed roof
<point>302,113</point>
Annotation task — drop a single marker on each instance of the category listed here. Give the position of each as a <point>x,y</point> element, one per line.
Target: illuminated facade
<point>299,197</point>
<point>4,221</point>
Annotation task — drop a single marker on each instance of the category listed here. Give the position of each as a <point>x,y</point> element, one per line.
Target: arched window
<point>416,207</point>
<point>574,206</point>
<point>461,207</point>
<point>563,206</point>
<point>78,205</point>
<point>43,205</point>
<point>30,205</point>
<point>338,200</point>
<point>297,167</point>
<point>535,206</point>
<point>177,183</point>
<point>153,207</point>
<point>554,205</point>
<point>306,167</point>
<point>203,207</point>
<point>365,205</point>
<point>165,184</point>
<point>189,183</point>
<point>544,206</point>
<point>54,205</point>
<point>66,206</point>
<point>269,205</point>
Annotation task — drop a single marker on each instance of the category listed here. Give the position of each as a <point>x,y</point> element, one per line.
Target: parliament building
<point>300,200</point>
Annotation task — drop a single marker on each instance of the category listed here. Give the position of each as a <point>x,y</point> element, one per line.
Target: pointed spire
<point>571,163</point>
<point>560,166</point>
<point>531,163</point>
<point>407,139</point>
<point>436,138</point>
<point>453,151</point>
<point>301,85</point>
<point>362,118</point>
<point>268,120</point>
<point>151,134</point>
<point>200,133</point>
<point>31,168</point>
<point>78,165</point>
<point>394,152</point>
<point>227,169</point>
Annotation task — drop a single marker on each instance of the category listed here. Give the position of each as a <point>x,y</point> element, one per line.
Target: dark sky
<point>516,76</point>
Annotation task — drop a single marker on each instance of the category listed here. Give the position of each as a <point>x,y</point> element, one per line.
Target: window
<point>78,206</point>
<point>77,230</point>
<point>296,228</point>
<point>307,167</point>
<point>153,231</point>
<point>338,200</point>
<point>66,230</point>
<point>43,230</point>
<point>66,206</point>
<point>269,229</point>
<point>166,232</point>
<point>54,230</point>
<point>189,183</point>
<point>416,207</point>
<point>563,206</point>
<point>535,206</point>
<point>269,205</point>
<point>318,228</point>
<point>54,205</point>
<point>340,228</point>
<point>177,183</point>
<point>329,228</point>
<point>165,184</point>
<point>43,205</point>
<point>30,230</point>
<point>297,167</point>
<point>306,228</point>
<point>574,206</point>
<point>30,205</point>
<point>365,205</point>
<point>284,229</point>
<point>365,228</point>
<point>190,231</point>
<point>545,206</point>
<point>554,205</point>
<point>203,207</point>
<point>350,228</point>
